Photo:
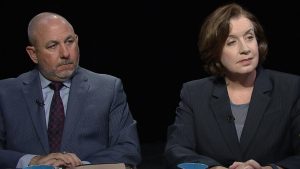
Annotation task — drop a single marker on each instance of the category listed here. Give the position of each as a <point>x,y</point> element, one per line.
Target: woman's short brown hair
<point>215,31</point>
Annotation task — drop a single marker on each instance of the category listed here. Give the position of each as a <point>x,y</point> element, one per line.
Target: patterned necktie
<point>56,118</point>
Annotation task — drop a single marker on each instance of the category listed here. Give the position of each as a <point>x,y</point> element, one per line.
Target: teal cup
<point>192,166</point>
<point>39,167</point>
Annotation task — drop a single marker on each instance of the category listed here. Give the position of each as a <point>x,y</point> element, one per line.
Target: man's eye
<point>52,46</point>
<point>70,41</point>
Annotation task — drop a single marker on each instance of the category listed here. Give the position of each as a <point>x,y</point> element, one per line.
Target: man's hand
<point>68,160</point>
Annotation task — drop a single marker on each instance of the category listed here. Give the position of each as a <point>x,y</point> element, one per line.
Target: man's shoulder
<point>18,79</point>
<point>97,79</point>
<point>95,75</point>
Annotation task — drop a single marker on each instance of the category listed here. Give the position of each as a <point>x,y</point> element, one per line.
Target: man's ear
<point>32,53</point>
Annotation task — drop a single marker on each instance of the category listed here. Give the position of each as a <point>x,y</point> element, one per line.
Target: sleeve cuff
<point>273,166</point>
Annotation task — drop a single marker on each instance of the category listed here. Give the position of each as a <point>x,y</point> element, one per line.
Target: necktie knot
<point>56,86</point>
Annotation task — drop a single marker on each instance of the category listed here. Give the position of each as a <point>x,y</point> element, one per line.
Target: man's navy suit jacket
<point>99,127</point>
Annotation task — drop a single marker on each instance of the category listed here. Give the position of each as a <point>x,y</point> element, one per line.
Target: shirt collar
<point>45,82</point>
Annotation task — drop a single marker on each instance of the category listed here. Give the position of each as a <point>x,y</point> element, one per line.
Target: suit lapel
<point>32,92</point>
<point>78,94</point>
<point>220,105</point>
<point>259,102</point>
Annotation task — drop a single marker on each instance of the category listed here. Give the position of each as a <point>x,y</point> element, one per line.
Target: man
<point>87,122</point>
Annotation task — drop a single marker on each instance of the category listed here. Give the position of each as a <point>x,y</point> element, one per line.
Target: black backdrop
<point>149,44</point>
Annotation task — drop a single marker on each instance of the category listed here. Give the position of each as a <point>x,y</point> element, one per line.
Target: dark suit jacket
<point>204,132</point>
<point>99,127</point>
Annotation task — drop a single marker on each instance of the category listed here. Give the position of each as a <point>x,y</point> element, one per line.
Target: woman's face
<point>240,52</point>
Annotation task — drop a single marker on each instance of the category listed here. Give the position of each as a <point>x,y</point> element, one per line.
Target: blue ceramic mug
<point>39,167</point>
<point>192,166</point>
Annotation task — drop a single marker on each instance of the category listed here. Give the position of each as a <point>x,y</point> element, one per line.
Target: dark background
<point>150,45</point>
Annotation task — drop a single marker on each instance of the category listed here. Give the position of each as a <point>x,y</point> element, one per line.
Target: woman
<point>243,116</point>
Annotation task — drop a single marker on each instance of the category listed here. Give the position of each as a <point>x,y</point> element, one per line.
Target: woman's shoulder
<point>205,82</point>
<point>275,74</point>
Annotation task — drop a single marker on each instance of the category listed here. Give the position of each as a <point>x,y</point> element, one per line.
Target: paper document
<point>103,166</point>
